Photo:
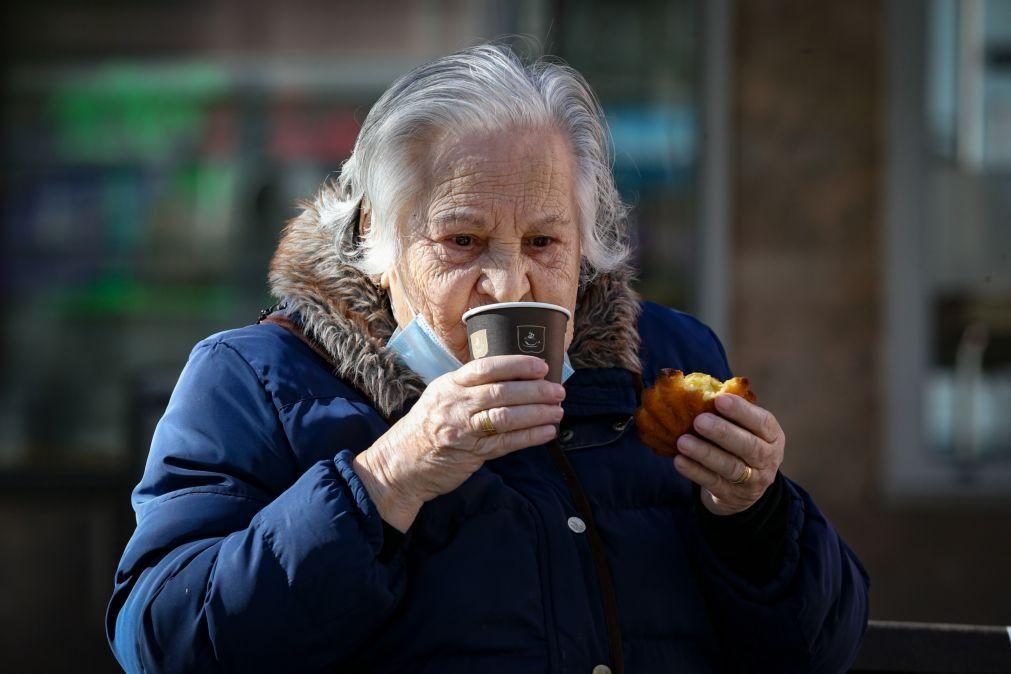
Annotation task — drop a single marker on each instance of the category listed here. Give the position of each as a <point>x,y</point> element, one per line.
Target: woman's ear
<point>364,216</point>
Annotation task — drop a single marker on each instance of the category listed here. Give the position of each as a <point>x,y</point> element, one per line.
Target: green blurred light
<point>122,297</point>
<point>124,111</point>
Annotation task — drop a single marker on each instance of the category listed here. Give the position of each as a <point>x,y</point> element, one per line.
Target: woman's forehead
<point>527,171</point>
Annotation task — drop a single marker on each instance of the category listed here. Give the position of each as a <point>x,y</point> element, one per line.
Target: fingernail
<point>683,442</point>
<point>559,391</point>
<point>723,402</point>
<point>704,422</point>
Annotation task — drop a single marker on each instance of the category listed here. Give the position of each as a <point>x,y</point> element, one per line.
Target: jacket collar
<point>349,316</point>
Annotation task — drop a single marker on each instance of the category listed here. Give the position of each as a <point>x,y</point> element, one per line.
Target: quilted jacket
<point>257,547</point>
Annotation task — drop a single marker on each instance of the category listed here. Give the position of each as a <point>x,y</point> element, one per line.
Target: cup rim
<point>516,305</point>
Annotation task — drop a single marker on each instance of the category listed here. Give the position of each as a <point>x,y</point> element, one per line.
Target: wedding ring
<point>745,475</point>
<point>484,421</point>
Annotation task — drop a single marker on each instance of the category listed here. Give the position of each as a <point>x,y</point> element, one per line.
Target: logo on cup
<point>479,344</point>
<point>530,338</point>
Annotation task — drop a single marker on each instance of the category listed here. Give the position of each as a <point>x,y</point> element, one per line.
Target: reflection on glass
<point>968,228</point>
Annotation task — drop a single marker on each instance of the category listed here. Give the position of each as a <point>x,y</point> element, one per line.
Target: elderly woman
<point>322,494</point>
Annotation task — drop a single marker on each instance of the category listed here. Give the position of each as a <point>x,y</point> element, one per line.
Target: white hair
<point>483,88</point>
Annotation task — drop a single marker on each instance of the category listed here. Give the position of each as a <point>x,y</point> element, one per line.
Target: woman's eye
<point>463,240</point>
<point>540,241</point>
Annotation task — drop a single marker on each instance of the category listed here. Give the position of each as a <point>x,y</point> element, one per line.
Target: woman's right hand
<point>435,447</point>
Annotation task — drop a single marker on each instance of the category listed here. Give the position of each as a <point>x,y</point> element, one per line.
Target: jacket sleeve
<point>811,616</point>
<point>238,563</point>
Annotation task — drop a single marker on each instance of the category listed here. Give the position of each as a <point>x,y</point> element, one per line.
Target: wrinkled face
<point>500,226</point>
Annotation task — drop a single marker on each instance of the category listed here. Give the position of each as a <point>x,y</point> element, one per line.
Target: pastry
<point>671,405</point>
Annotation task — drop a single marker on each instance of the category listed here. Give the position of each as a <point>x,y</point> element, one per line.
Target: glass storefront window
<point>968,228</point>
<point>147,186</point>
<point>955,224</point>
<point>643,61</point>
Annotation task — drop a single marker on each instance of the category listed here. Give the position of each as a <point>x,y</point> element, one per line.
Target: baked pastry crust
<point>670,406</point>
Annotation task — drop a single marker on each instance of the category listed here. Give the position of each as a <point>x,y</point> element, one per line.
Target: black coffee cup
<point>530,328</point>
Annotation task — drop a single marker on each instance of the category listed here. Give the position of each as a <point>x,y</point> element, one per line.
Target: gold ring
<point>484,420</point>
<point>745,475</point>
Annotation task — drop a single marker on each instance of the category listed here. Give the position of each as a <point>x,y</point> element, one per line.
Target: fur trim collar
<point>350,318</point>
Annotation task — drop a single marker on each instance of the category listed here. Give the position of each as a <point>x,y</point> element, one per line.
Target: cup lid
<point>517,305</point>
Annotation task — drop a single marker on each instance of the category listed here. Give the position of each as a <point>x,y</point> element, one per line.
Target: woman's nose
<point>505,284</point>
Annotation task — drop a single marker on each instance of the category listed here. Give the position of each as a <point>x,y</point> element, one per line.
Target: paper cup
<point>530,328</point>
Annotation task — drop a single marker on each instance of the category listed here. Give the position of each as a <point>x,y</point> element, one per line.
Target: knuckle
<point>734,467</point>
<point>705,451</point>
<point>728,401</point>
<point>476,367</point>
<point>455,378</point>
<point>482,367</point>
<point>485,445</point>
<point>770,427</point>
<point>755,445</point>
<point>447,436</point>
<point>527,437</point>
<point>498,418</point>
<point>721,430</point>
<point>437,416</point>
<point>768,467</point>
<point>496,393</point>
<point>440,401</point>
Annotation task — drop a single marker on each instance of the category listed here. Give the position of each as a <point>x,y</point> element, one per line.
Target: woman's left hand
<point>742,435</point>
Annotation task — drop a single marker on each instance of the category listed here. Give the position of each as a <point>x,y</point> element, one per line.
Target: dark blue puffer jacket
<point>257,548</point>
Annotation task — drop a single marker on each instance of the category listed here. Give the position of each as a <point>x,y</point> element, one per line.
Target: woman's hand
<point>441,442</point>
<point>743,435</point>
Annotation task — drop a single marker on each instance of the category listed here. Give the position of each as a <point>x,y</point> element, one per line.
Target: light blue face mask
<point>419,349</point>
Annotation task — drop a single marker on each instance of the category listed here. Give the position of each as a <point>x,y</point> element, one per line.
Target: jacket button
<point>566,435</point>
<point>601,669</point>
<point>577,525</point>
<point>620,425</point>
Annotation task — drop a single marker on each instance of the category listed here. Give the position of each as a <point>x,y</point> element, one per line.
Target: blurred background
<point>827,184</point>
